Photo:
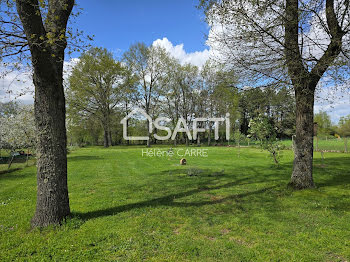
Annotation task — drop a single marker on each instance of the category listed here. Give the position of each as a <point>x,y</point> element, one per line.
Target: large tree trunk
<point>50,117</point>
<point>304,83</point>
<point>303,151</point>
<point>109,126</point>
<point>105,137</point>
<point>110,138</point>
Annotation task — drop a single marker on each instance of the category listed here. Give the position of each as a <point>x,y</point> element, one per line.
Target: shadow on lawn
<point>335,172</point>
<point>83,158</point>
<point>332,171</point>
<point>169,200</point>
<point>8,171</point>
<point>193,171</point>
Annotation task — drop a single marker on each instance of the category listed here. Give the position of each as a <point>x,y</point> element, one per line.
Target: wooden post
<point>293,146</point>
<point>345,144</point>
<point>315,134</point>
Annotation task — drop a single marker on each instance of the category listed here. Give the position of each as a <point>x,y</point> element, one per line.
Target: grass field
<point>323,144</point>
<point>224,207</point>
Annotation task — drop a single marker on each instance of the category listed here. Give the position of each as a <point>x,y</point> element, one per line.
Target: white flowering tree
<point>17,131</point>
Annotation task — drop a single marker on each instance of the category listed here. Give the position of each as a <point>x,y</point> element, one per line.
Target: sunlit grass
<point>227,207</point>
<point>323,144</point>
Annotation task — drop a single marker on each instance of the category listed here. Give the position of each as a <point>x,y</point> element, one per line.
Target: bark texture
<point>107,134</point>
<point>47,58</point>
<point>304,83</point>
<point>303,151</point>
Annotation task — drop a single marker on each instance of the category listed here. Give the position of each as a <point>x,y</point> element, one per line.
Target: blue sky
<point>118,24</point>
<point>177,25</point>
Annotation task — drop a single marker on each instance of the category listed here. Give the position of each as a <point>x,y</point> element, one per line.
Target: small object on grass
<point>183,161</point>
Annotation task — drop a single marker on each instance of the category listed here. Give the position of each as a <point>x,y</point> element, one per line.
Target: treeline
<point>325,127</point>
<point>103,90</point>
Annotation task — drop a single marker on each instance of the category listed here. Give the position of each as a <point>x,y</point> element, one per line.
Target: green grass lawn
<point>221,208</point>
<point>333,144</point>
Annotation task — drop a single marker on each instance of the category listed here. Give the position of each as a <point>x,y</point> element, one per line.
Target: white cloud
<point>197,58</point>
<point>333,100</point>
<point>19,86</point>
<point>68,66</point>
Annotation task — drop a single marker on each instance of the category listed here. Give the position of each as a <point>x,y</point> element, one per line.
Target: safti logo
<point>181,126</point>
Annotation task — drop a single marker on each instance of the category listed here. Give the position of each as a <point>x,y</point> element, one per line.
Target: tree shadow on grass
<point>83,158</point>
<point>8,171</point>
<point>230,173</point>
<point>193,171</point>
<point>15,160</point>
<point>17,174</point>
<point>4,173</point>
<point>169,200</point>
<point>333,171</point>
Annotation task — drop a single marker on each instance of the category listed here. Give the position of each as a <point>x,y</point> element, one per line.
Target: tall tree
<point>219,86</point>
<point>95,87</point>
<point>269,40</point>
<point>278,105</point>
<point>344,130</point>
<point>148,63</point>
<point>45,35</point>
<point>130,95</point>
<point>187,80</point>
<point>171,93</point>
<point>324,123</point>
